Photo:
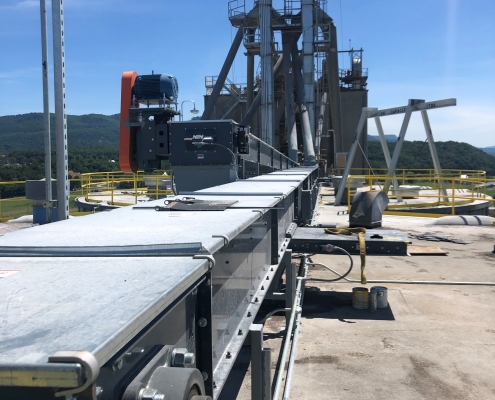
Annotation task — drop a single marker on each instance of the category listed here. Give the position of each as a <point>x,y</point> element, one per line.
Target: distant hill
<point>489,150</point>
<point>388,138</point>
<point>25,131</point>
<point>452,155</point>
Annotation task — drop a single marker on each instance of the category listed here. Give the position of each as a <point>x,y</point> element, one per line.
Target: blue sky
<point>427,49</point>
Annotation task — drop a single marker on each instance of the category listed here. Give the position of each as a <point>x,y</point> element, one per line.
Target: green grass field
<point>17,207</point>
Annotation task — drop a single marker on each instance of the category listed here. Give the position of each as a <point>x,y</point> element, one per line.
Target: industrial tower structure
<point>300,100</point>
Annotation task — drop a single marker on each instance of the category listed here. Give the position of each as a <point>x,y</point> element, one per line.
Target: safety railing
<point>120,189</point>
<point>414,190</point>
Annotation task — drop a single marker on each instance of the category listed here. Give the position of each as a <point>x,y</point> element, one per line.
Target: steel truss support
<point>413,105</point>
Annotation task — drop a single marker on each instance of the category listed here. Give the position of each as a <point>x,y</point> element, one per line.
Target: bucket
<point>360,298</point>
<point>381,296</point>
<point>373,299</point>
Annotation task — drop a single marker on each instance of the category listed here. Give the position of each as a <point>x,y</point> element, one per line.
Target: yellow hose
<point>362,244</point>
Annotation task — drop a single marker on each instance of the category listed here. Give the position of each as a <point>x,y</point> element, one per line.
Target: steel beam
<point>46,114</point>
<point>350,157</point>
<point>223,74</point>
<point>60,110</point>
<point>433,151</point>
<point>383,141</point>
<point>430,105</point>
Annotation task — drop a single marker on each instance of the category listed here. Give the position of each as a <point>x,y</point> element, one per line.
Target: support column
<point>309,151</point>
<point>383,141</point>
<point>257,100</point>
<point>266,54</point>
<point>60,111</point>
<point>223,74</point>
<point>46,114</point>
<point>290,117</point>
<point>398,145</point>
<point>352,153</point>
<point>433,152</point>
<point>308,60</point>
<point>260,365</point>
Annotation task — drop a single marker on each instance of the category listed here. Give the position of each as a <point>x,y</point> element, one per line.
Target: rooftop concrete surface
<point>431,342</point>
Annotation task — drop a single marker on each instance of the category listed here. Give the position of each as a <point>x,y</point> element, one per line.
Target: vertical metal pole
<point>290,283</point>
<point>308,60</point>
<point>266,54</point>
<point>290,117</point>
<point>260,365</point>
<point>204,336</point>
<point>250,80</point>
<point>60,111</point>
<point>250,70</point>
<point>256,332</point>
<point>46,114</point>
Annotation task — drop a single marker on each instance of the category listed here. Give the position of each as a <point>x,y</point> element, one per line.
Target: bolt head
<point>182,358</point>
<point>204,375</point>
<point>202,322</point>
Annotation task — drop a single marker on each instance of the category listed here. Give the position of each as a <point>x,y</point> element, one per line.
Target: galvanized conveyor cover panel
<point>91,304</point>
<point>130,226</point>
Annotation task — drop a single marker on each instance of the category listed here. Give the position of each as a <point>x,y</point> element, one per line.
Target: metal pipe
<point>320,123</point>
<point>223,74</point>
<point>257,100</point>
<point>60,110</point>
<point>288,331</point>
<point>46,114</point>
<point>309,151</point>
<point>292,357</point>
<point>250,69</point>
<point>290,117</point>
<point>265,16</point>
<point>307,10</point>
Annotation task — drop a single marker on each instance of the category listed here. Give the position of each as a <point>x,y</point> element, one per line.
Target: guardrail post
<point>453,196</point>
<point>135,189</point>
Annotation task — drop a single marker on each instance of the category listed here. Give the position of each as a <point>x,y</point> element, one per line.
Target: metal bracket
<point>88,362</point>
<point>205,257</point>
<point>50,204</point>
<point>225,238</point>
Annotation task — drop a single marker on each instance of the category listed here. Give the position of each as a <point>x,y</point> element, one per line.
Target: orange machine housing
<point>127,144</point>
